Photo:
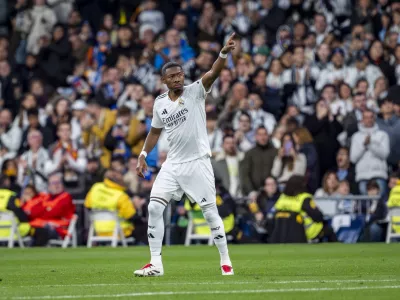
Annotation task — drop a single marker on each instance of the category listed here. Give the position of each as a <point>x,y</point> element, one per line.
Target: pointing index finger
<point>231,37</point>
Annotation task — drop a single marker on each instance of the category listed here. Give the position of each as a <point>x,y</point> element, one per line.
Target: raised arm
<point>150,142</point>
<point>209,78</point>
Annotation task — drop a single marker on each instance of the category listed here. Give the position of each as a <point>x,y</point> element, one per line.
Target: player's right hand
<point>141,166</point>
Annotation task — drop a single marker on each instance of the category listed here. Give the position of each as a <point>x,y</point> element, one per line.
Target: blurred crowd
<point>310,90</point>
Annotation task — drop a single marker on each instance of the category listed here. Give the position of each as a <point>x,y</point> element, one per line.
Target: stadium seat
<point>393,212</point>
<point>348,228</point>
<point>190,235</point>
<point>8,222</point>
<point>118,233</point>
<point>70,238</point>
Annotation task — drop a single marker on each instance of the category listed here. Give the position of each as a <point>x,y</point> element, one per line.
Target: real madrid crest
<point>181,102</point>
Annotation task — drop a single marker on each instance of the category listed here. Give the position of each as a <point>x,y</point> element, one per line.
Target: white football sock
<point>155,231</point>
<point>210,213</point>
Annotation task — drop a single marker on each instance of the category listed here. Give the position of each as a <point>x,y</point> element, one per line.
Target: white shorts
<point>194,178</point>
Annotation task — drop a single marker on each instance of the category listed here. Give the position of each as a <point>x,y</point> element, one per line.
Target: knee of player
<point>210,211</point>
<point>155,209</point>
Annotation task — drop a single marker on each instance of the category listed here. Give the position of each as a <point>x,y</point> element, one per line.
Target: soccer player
<point>187,170</point>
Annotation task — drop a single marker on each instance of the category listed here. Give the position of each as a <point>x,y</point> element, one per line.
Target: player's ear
<point>163,79</point>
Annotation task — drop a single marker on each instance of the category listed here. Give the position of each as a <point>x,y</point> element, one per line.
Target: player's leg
<point>164,187</point>
<point>199,185</point>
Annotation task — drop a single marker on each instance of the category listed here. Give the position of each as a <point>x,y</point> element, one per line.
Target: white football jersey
<point>184,121</point>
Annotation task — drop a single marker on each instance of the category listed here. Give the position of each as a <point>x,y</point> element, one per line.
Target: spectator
<point>111,89</point>
<point>38,22</point>
<point>110,195</point>
<point>263,207</point>
<point>96,123</point>
<point>362,69</point>
<point>10,134</point>
<point>376,226</point>
<point>176,49</point>
<point>115,140</point>
<point>324,128</point>
<point>258,115</point>
<point>330,184</point>
<point>378,59</point>
<point>208,22</point>
<point>305,144</point>
<point>335,72</point>
<point>257,162</point>
<point>350,122</point>
<point>150,15</point>
<point>139,128</point>
<point>271,17</point>
<point>345,170</point>
<point>345,206</point>
<point>245,135</point>
<point>50,213</point>
<point>131,179</point>
<point>369,150</point>
<point>215,135</point>
<point>288,162</point>
<point>298,86</point>
<point>390,123</point>
<point>61,112</point>
<point>31,168</point>
<point>226,166</point>
<point>94,172</point>
<point>67,157</point>
<point>33,121</point>
<point>55,60</point>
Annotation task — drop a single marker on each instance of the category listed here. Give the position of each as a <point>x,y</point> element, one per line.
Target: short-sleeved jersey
<point>184,121</point>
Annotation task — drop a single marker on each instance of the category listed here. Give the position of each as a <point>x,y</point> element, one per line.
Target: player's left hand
<point>230,45</point>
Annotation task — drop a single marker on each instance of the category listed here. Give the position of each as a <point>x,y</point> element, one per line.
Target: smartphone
<point>288,146</point>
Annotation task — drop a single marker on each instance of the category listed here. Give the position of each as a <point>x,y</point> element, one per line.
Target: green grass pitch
<point>334,271</point>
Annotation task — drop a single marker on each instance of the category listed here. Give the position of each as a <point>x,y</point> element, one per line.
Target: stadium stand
<point>312,89</point>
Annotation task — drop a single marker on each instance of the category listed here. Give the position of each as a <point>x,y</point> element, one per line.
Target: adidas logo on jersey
<point>203,200</point>
<point>164,112</point>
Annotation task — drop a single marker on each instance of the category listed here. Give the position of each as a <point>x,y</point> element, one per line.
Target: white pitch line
<point>263,291</point>
<point>134,283</point>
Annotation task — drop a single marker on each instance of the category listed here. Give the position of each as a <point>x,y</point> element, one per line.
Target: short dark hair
<point>295,185</point>
<point>32,112</point>
<point>372,184</point>
<point>245,113</point>
<point>118,158</point>
<point>226,137</point>
<point>124,111</point>
<point>168,65</point>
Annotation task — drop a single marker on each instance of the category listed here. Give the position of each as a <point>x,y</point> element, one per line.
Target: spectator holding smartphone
<point>288,162</point>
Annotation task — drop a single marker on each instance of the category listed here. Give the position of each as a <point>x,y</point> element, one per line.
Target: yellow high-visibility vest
<point>23,228</point>
<point>394,201</point>
<point>103,197</point>
<point>294,204</point>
